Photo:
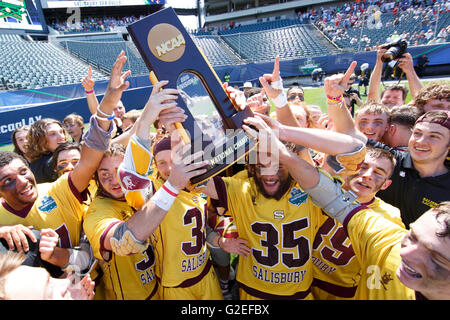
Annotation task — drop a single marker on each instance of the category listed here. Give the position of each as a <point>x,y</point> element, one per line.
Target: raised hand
<point>235,95</point>
<point>267,79</point>
<point>257,103</point>
<point>406,63</point>
<point>334,86</point>
<point>159,100</point>
<point>116,86</point>
<point>87,82</point>
<point>183,167</point>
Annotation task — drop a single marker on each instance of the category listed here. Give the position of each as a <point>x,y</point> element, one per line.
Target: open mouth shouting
<point>271,184</point>
<point>406,272</point>
<point>27,191</point>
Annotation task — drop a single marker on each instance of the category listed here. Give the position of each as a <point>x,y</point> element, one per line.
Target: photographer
<point>352,96</point>
<point>404,61</point>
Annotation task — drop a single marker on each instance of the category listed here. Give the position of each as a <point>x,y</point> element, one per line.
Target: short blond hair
<point>9,262</point>
<point>132,115</point>
<point>74,118</point>
<point>372,108</point>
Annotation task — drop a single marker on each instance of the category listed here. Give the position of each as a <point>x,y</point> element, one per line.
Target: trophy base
<point>224,153</point>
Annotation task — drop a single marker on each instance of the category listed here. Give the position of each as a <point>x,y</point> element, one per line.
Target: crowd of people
<point>94,24</point>
<point>336,21</point>
<point>342,204</point>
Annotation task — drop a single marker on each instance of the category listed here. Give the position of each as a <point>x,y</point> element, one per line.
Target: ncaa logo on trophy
<point>167,50</point>
<point>214,121</point>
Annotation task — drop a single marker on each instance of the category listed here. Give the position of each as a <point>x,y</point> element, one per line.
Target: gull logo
<point>132,181</point>
<point>127,181</point>
<point>166,42</point>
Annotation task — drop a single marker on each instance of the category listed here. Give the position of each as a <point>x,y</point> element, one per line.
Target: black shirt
<point>409,192</point>
<point>42,169</point>
<point>33,256</point>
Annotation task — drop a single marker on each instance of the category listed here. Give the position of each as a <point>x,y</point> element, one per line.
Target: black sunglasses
<point>293,96</point>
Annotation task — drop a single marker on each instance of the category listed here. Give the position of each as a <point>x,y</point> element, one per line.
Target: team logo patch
<point>132,181</point>
<point>47,204</point>
<point>297,197</point>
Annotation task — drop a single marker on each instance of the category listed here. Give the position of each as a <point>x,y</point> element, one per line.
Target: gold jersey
<point>180,240</point>
<point>280,234</point>
<point>377,243</point>
<point>124,277</point>
<point>337,271</point>
<point>59,206</point>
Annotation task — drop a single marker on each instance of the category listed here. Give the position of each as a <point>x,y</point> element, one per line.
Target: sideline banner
<point>10,120</point>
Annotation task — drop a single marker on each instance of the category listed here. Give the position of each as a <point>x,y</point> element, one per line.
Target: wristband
<point>334,100</point>
<point>277,84</point>
<point>90,91</point>
<point>104,115</point>
<point>102,118</point>
<point>165,196</point>
<point>280,101</point>
<point>95,137</point>
<point>169,189</point>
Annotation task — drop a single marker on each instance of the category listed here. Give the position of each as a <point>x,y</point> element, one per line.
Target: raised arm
<point>131,236</point>
<point>375,78</point>
<point>407,65</point>
<point>88,84</point>
<point>334,87</point>
<point>273,87</point>
<point>326,141</point>
<point>97,138</point>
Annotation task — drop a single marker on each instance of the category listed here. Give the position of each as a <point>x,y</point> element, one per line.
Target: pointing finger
<point>349,72</point>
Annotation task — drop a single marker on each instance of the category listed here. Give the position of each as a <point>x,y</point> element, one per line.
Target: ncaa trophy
<point>214,121</point>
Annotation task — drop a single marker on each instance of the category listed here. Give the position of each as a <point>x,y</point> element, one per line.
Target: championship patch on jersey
<point>47,204</point>
<point>297,197</point>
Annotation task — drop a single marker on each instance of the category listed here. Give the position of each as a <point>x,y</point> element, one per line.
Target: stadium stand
<point>217,50</point>
<point>102,53</point>
<point>316,32</point>
<point>296,41</point>
<point>409,27</point>
<point>37,64</point>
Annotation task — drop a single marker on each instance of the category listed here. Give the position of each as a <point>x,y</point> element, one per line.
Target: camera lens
<point>387,57</point>
<point>391,54</point>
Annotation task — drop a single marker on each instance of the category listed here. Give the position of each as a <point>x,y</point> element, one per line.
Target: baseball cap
<point>161,145</point>
<point>247,84</point>
<point>441,117</point>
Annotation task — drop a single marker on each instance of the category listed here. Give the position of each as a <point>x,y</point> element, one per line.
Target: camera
<point>395,50</point>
